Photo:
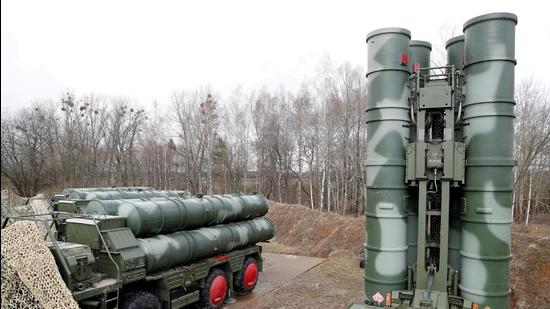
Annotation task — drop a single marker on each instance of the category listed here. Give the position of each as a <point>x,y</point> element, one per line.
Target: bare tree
<point>82,134</point>
<point>197,121</point>
<point>235,135</point>
<point>122,128</point>
<point>531,144</point>
<point>342,93</point>
<point>26,140</point>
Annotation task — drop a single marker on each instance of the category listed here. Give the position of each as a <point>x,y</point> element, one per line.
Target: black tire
<point>140,300</point>
<point>214,278</point>
<point>242,287</point>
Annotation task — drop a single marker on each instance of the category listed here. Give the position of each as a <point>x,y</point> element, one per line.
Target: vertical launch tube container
<point>387,130</point>
<point>489,116</point>
<point>455,57</point>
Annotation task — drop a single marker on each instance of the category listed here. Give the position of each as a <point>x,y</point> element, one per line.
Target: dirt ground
<point>335,283</point>
<point>315,233</point>
<point>530,267</point>
<point>338,281</point>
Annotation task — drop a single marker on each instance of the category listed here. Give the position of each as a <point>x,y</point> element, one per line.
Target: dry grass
<point>315,233</point>
<point>335,283</point>
<point>530,267</point>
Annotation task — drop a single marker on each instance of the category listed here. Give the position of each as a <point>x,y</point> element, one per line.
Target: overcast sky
<point>147,49</point>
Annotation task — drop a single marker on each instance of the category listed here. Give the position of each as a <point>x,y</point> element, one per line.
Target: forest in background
<point>305,147</point>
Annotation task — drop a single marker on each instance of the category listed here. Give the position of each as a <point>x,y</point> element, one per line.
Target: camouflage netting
<point>30,278</point>
<point>12,204</point>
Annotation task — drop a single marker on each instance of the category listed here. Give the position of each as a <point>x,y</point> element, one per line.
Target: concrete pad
<point>278,270</point>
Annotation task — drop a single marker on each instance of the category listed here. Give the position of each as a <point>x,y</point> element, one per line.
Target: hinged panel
<point>459,159</point>
<point>411,162</point>
<point>434,157</point>
<point>448,159</point>
<point>421,160</point>
<point>435,97</point>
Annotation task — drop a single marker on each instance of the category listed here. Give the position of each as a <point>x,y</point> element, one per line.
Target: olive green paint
<point>166,251</point>
<point>489,112</point>
<point>419,54</point>
<point>167,214</point>
<point>387,117</point>
<point>471,159</point>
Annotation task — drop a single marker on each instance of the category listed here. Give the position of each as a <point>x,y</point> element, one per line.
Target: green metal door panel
<point>67,206</point>
<point>387,129</point>
<point>435,98</point>
<point>84,231</point>
<point>120,239</point>
<point>83,234</point>
<point>489,75</point>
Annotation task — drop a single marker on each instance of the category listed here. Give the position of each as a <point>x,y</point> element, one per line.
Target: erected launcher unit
<point>439,168</point>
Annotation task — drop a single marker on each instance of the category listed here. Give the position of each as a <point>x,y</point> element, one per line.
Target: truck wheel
<point>140,300</point>
<point>215,289</point>
<point>247,277</point>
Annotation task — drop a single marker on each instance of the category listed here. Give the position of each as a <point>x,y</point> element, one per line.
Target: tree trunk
<point>322,189</point>
<point>311,187</point>
<point>329,188</point>
<point>528,201</point>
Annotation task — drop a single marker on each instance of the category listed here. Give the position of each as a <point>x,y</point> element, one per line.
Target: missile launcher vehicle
<point>162,250</point>
<point>439,168</point>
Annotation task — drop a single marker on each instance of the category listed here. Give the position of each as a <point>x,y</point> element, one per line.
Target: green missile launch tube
<point>489,113</point>
<point>166,251</point>
<point>163,215</point>
<point>387,128</point>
